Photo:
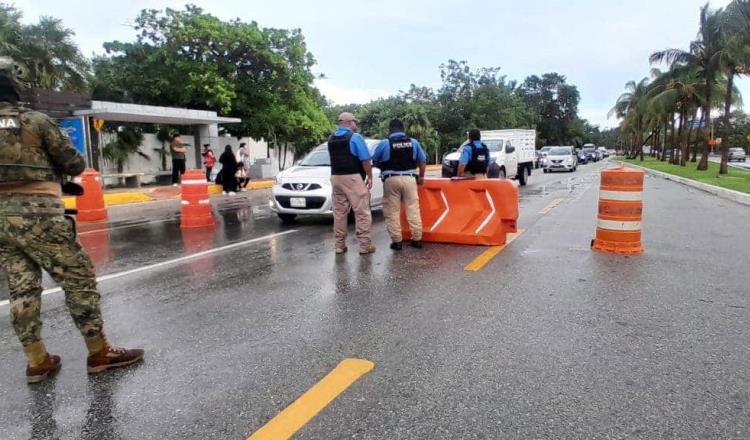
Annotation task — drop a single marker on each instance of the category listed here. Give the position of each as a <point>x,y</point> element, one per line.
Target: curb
<point>124,198</point>
<point>727,194</point>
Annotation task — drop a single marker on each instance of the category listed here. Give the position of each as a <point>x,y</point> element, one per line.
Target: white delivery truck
<point>511,152</point>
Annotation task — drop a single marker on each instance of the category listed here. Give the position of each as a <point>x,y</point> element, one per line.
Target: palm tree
<point>735,35</point>
<point>418,125</point>
<point>632,108</point>
<point>128,142</point>
<point>704,56</point>
<point>679,90</point>
<point>46,50</point>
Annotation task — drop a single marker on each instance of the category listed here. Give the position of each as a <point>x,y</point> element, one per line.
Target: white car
<point>561,159</point>
<point>305,189</point>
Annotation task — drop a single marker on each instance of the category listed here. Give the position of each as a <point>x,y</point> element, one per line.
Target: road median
<point>734,187</point>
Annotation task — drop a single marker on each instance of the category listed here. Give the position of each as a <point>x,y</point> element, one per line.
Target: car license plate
<point>298,202</point>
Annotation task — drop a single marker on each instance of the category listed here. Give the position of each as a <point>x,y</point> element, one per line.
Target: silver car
<point>737,154</point>
<point>561,159</point>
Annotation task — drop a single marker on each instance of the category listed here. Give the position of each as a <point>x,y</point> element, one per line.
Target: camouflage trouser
<point>34,235</point>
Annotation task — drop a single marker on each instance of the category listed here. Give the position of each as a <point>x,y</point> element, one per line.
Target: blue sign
<point>696,123</point>
<point>74,128</point>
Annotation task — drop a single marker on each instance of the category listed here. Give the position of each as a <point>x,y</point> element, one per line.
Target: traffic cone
<point>620,212</point>
<point>196,205</point>
<point>90,205</point>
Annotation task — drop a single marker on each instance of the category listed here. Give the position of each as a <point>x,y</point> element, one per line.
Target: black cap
<point>474,135</point>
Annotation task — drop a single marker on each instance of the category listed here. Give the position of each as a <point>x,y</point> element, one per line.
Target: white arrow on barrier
<point>444,214</point>
<point>489,217</point>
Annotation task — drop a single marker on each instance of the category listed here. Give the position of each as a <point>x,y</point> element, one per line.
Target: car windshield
<point>318,158</point>
<point>589,150</point>
<point>560,151</point>
<point>737,150</point>
<point>545,149</point>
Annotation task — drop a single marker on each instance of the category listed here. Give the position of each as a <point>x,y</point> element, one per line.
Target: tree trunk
<point>724,168</point>
<point>677,152</point>
<point>673,140</point>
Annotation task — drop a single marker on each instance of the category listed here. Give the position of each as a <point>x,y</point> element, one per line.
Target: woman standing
<point>228,170</point>
<point>209,160</point>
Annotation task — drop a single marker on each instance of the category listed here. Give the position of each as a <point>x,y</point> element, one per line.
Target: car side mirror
<point>510,149</point>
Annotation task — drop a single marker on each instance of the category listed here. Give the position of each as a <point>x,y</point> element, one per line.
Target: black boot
<point>396,246</point>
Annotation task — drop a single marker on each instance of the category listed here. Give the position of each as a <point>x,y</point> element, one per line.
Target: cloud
<point>349,95</point>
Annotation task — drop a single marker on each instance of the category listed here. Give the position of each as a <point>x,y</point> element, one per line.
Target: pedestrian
<point>475,157</point>
<point>209,160</point>
<point>228,170</point>
<point>398,158</point>
<point>35,157</point>
<point>351,178</point>
<point>244,156</point>
<point>178,151</point>
<point>242,177</point>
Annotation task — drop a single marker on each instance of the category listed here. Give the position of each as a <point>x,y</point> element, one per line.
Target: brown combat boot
<point>48,368</point>
<point>113,357</point>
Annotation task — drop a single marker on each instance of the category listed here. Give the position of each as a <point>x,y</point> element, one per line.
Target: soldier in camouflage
<point>35,156</point>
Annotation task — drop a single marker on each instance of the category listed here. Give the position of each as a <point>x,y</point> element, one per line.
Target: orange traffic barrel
<point>620,212</point>
<point>90,205</point>
<point>196,205</point>
<point>471,211</point>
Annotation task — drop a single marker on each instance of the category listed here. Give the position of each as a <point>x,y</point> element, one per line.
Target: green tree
<point>556,104</point>
<point>735,61</point>
<point>46,50</point>
<point>704,57</point>
<point>188,58</point>
<point>128,142</point>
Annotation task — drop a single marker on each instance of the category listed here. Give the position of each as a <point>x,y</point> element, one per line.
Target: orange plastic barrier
<point>620,212</point>
<point>91,204</point>
<point>196,205</point>
<point>475,212</point>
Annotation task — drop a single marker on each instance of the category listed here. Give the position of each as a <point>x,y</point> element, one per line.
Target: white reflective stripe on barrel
<point>185,202</point>
<point>621,196</point>
<point>204,202</point>
<point>614,225</point>
<point>194,182</point>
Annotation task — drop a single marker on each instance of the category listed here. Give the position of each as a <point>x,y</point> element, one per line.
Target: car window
<point>318,158</point>
<point>494,145</point>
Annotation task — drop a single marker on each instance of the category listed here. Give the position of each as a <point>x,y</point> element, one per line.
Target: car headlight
<point>446,162</point>
<point>569,160</point>
<point>277,180</point>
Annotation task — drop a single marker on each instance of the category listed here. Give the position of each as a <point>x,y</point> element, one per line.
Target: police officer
<point>351,178</point>
<point>475,157</point>
<point>398,158</point>
<point>35,156</point>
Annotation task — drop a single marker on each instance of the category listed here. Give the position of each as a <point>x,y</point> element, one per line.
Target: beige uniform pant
<point>398,189</point>
<point>351,193</point>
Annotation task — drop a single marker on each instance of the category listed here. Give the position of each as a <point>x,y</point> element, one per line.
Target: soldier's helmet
<point>11,77</point>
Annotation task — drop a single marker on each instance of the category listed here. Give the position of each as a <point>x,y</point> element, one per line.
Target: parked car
<point>603,151</point>
<point>305,189</point>
<point>561,159</point>
<point>737,154</point>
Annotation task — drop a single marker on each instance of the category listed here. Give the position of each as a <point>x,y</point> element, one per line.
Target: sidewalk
<point>122,196</point>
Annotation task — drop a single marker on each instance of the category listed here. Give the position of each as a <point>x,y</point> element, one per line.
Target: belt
<point>382,177</point>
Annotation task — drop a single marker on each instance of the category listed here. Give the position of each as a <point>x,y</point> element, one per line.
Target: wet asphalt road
<point>549,340</point>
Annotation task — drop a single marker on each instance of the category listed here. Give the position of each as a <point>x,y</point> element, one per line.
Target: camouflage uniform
<point>34,234</point>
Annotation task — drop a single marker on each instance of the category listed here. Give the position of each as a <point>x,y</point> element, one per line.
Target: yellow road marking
<point>551,206</point>
<point>490,253</point>
<point>302,410</point>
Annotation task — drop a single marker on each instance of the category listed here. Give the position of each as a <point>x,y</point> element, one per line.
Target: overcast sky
<point>368,49</point>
